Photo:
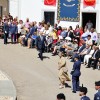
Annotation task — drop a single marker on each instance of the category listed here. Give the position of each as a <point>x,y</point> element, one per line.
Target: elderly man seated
<point>67,45</point>
<point>81,48</point>
<point>58,45</point>
<point>72,49</point>
<point>49,40</point>
<point>94,58</point>
<point>84,52</point>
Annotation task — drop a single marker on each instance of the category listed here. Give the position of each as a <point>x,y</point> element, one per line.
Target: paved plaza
<point>37,80</point>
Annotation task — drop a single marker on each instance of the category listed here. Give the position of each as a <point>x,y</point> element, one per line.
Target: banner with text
<point>69,10</point>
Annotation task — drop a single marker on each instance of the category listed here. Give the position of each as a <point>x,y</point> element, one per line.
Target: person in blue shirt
<point>13,31</point>
<point>76,74</point>
<point>64,33</point>
<point>97,87</point>
<point>6,31</point>
<point>82,92</point>
<point>32,30</point>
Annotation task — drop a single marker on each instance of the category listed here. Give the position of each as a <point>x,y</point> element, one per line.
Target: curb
<point>7,87</point>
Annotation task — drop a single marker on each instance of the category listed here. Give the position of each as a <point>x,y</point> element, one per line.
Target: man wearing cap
<point>97,87</point>
<point>82,93</point>
<point>40,44</point>
<point>76,74</point>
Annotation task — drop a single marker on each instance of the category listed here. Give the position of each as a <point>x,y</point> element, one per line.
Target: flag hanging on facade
<point>89,3</point>
<point>68,10</point>
<point>50,2</point>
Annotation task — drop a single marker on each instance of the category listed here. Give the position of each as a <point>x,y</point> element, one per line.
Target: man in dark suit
<point>40,44</point>
<point>95,57</point>
<point>97,87</point>
<point>6,31</point>
<point>76,74</point>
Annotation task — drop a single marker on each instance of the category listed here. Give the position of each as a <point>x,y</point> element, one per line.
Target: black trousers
<point>18,35</point>
<point>5,38</point>
<point>75,83</point>
<point>94,63</point>
<point>41,53</point>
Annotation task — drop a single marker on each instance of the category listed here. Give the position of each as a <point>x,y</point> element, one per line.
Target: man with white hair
<point>40,44</point>
<point>58,45</point>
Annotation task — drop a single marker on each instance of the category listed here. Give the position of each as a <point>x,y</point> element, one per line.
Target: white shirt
<point>89,42</point>
<point>84,35</point>
<point>19,27</point>
<point>94,36</point>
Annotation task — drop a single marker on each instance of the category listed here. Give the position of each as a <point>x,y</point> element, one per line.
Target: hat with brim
<point>68,38</point>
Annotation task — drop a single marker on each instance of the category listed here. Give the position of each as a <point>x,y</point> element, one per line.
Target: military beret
<point>97,83</point>
<point>83,89</point>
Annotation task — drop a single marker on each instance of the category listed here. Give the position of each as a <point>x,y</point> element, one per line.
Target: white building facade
<point>35,10</point>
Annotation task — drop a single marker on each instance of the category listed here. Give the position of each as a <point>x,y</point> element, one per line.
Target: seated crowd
<point>84,44</point>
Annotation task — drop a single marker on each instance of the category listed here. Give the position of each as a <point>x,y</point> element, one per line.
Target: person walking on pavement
<point>97,87</point>
<point>76,74</point>
<point>6,32</point>
<point>82,92</point>
<point>40,44</point>
<point>63,75</point>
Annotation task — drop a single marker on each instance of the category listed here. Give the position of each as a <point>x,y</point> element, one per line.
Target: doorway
<point>86,16</point>
<point>49,17</point>
<point>0,11</point>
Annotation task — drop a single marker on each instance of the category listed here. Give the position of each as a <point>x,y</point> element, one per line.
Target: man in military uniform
<point>61,96</point>
<point>76,74</point>
<point>97,87</point>
<point>82,93</point>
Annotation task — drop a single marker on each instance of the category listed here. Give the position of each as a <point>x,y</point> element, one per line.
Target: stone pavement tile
<point>7,89</point>
<point>6,98</point>
<point>3,76</point>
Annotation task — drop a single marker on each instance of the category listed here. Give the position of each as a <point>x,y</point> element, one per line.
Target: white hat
<point>75,40</point>
<point>60,37</point>
<point>68,38</point>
